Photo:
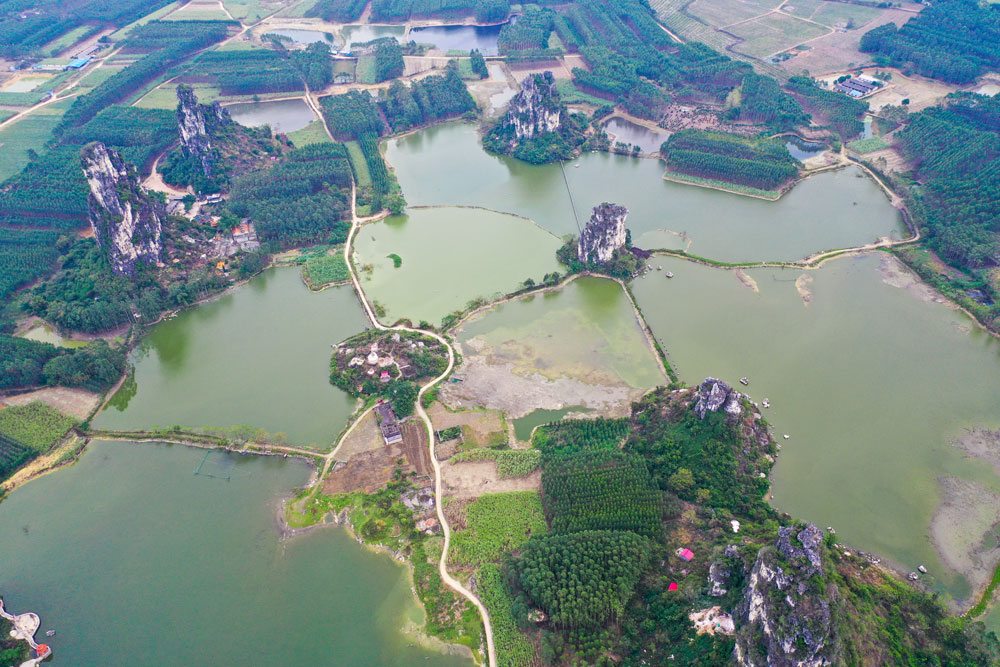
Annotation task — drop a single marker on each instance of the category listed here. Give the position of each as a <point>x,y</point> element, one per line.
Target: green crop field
<point>513,649</point>
<point>119,35</point>
<point>365,72</point>
<point>497,523</point>
<point>868,145</point>
<point>95,78</point>
<point>773,33</point>
<point>570,94</point>
<point>359,163</point>
<point>326,269</point>
<point>833,13</point>
<point>67,40</point>
<point>313,133</point>
<point>250,11</point>
<point>30,132</point>
<point>721,13</point>
<point>510,462</point>
<point>36,425</point>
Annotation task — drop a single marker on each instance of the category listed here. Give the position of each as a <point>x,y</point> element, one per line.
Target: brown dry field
<point>473,479</point>
<point>839,50</point>
<point>921,91</point>
<point>478,425</point>
<point>889,159</point>
<point>76,402</point>
<point>365,437</point>
<point>369,471</point>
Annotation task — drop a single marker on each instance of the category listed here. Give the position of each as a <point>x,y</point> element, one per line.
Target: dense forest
<point>425,100</point>
<point>388,59</point>
<point>305,198</point>
<point>28,363</point>
<point>351,114</point>
<point>758,163</point>
<point>951,40</point>
<point>23,32</point>
<point>839,112</point>
<point>763,101</point>
<point>955,150</point>
<point>614,596</point>
<point>165,43</point>
<point>398,11</point>
<point>338,11</point>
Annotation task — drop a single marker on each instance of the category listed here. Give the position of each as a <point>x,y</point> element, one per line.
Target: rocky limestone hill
<point>126,220</point>
<point>196,132</point>
<point>604,234</point>
<point>536,128</point>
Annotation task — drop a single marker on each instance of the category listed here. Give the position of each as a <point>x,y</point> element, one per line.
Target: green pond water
<point>586,330</point>
<point>526,424</point>
<point>132,559</point>
<point>872,383</point>
<point>450,256</point>
<point>827,211</point>
<point>258,355</point>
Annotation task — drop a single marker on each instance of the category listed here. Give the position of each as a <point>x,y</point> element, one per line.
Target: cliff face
<point>784,618</point>
<point>195,127</point>
<point>536,109</point>
<point>603,235</point>
<point>714,395</point>
<point>126,221</point>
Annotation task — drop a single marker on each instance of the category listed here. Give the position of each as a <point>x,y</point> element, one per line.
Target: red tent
<point>672,586</point>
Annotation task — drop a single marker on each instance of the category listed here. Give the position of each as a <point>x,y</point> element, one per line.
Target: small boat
<point>50,633</point>
<point>576,166</point>
<point>744,381</point>
<point>669,274</point>
<point>766,403</point>
<point>659,268</point>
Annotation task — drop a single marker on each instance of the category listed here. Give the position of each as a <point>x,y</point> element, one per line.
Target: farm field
<point>29,133</point>
<point>773,33</point>
<point>197,11</point>
<point>67,40</point>
<point>36,425</point>
<point>313,133</point>
<point>721,13</point>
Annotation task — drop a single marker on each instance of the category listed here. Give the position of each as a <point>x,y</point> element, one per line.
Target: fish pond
<point>830,210</point>
<point>626,132</point>
<point>281,115</point>
<point>430,262</point>
<point>872,378</point>
<point>257,355</point>
<point>459,37</point>
<point>133,559</point>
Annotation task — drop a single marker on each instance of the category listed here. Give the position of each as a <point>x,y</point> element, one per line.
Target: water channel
<point>132,559</point>
<point>258,355</point>
<point>830,210</point>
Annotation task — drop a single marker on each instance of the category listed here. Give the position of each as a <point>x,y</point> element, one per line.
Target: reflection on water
<point>627,132</point>
<point>282,115</point>
<point>459,37</point>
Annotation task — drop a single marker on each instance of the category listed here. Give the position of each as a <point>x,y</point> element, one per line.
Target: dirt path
<point>155,182</point>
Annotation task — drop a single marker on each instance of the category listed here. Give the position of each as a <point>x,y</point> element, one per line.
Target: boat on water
<point>744,381</point>
<point>669,274</point>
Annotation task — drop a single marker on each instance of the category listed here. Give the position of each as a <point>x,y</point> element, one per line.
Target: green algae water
<point>587,330</point>
<point>872,382</point>
<point>258,355</point>
<point>448,257</point>
<point>132,559</point>
<point>830,210</point>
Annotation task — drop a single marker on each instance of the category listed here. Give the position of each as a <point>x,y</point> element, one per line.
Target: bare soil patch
<point>76,402</point>
<point>839,50</point>
<point>895,273</point>
<point>365,437</point>
<point>470,480</point>
<point>480,428</point>
<point>369,471</point>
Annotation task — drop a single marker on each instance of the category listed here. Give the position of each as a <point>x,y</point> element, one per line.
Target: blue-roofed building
<point>78,63</point>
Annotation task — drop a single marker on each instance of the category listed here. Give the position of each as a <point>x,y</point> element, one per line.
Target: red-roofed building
<point>686,554</point>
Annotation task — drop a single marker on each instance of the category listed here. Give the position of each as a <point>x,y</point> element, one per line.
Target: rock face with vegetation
<point>604,234</point>
<point>785,617</point>
<point>125,219</point>
<point>194,131</point>
<point>536,128</point>
<point>714,395</point>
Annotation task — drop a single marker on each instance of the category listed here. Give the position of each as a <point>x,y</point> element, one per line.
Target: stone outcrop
<point>196,126</point>
<point>784,618</point>
<point>604,234</point>
<point>126,221</point>
<point>536,109</point>
<point>714,395</point>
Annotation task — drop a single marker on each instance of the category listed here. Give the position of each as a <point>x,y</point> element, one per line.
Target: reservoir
<point>282,115</point>
<point>872,380</point>
<point>359,34</point>
<point>831,210</point>
<point>305,36</point>
<point>132,559</point>
<point>258,355</point>
<point>459,37</point>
